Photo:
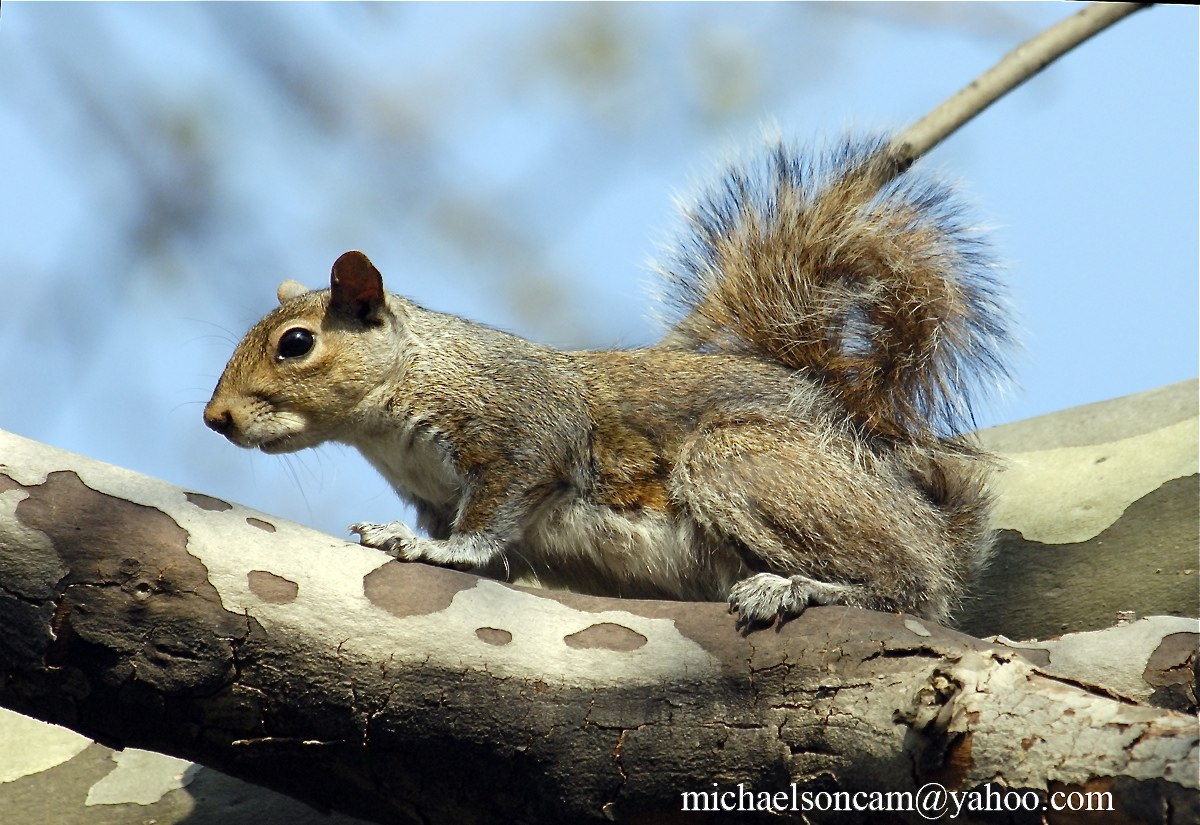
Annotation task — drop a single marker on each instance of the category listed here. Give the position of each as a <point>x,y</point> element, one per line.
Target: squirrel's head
<point>298,377</point>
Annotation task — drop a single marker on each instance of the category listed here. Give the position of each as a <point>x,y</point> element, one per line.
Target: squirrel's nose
<point>220,420</point>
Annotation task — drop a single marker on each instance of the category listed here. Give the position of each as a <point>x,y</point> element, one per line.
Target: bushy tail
<point>877,290</point>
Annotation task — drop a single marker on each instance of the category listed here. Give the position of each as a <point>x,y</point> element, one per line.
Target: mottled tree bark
<point>143,615</point>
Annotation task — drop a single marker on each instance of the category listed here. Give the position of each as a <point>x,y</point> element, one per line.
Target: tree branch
<point>145,615</point>
<point>1014,68</point>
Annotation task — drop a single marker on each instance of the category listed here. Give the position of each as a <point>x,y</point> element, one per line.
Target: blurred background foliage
<point>165,165</point>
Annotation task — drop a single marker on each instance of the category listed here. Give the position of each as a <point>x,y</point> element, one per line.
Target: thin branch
<point>1014,68</point>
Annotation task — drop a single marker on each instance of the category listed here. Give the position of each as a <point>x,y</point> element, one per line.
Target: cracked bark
<point>144,615</point>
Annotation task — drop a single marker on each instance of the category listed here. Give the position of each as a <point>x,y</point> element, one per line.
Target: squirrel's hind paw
<point>765,598</point>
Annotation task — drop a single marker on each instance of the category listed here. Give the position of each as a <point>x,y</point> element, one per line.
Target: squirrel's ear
<point>290,289</point>
<point>355,285</point>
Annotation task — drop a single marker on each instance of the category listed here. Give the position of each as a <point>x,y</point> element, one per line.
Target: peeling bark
<point>144,615</point>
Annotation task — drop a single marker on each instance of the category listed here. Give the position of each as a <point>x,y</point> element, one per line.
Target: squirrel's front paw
<point>399,541</point>
<point>396,539</point>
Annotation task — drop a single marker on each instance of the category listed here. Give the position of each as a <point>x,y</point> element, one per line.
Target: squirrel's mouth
<point>282,444</point>
<point>290,442</point>
<point>279,445</point>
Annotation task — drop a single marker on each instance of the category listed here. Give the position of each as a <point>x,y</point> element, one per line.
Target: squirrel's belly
<point>632,553</point>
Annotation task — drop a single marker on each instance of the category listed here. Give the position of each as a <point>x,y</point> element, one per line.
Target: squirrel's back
<point>869,282</point>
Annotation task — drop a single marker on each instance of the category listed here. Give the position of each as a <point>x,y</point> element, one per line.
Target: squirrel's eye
<point>295,342</point>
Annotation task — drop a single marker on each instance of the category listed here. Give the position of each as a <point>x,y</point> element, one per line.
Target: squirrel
<point>798,439</point>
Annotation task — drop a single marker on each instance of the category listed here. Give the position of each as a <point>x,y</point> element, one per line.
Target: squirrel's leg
<point>823,519</point>
<point>477,533</point>
<point>463,551</point>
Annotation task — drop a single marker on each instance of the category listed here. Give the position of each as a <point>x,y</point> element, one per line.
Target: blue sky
<point>163,167</point>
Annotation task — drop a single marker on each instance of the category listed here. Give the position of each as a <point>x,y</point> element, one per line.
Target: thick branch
<point>144,615</point>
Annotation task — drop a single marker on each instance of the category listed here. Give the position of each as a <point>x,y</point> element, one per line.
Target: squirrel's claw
<point>394,538</point>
